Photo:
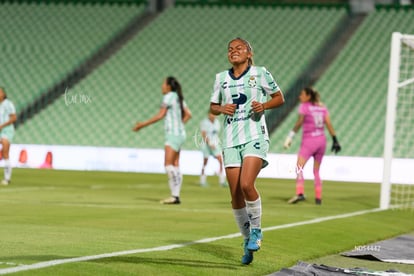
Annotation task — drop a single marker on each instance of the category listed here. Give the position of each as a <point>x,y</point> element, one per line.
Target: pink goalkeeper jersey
<point>314,121</point>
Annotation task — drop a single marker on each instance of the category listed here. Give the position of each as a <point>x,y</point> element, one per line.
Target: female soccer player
<point>241,95</point>
<point>7,118</point>
<point>210,128</point>
<point>176,114</point>
<point>313,115</point>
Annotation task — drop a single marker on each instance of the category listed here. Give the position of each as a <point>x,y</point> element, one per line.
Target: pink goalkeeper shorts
<point>313,147</point>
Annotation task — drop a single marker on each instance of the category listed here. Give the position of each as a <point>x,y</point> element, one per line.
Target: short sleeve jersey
<point>255,84</point>
<point>211,129</point>
<point>314,119</point>
<point>6,109</point>
<point>173,123</point>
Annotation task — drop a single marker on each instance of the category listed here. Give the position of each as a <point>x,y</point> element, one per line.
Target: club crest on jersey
<point>252,81</point>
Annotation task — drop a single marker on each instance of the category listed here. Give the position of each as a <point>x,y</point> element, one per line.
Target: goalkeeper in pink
<point>313,115</point>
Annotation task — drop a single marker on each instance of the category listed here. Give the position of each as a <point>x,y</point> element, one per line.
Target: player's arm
<point>187,115</point>
<point>12,119</point>
<point>205,139</point>
<point>160,115</point>
<point>336,147</point>
<point>227,109</point>
<point>215,101</point>
<point>295,129</point>
<point>276,100</point>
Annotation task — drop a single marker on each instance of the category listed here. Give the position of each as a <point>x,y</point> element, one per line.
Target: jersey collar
<point>231,73</point>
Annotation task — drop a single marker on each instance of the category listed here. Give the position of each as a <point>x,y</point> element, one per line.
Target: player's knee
<point>247,188</point>
<point>238,203</point>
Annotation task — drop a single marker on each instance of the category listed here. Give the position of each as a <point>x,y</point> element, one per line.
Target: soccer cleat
<point>171,200</point>
<point>318,201</point>
<point>5,182</point>
<point>296,199</point>
<point>248,255</point>
<point>255,240</point>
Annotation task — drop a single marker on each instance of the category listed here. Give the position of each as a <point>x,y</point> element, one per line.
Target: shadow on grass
<point>151,199</point>
<point>169,261</point>
<point>188,259</point>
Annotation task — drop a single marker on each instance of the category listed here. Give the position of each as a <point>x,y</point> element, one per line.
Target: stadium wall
<point>85,158</point>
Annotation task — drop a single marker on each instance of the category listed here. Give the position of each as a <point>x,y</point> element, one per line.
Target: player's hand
<point>228,109</point>
<point>287,143</point>
<point>289,139</point>
<point>336,147</point>
<point>137,126</point>
<point>257,107</point>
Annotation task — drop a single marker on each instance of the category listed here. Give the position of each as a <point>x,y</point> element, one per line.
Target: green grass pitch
<point>52,215</point>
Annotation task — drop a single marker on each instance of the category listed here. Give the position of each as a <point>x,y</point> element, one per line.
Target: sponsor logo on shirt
<point>239,99</point>
<point>225,85</point>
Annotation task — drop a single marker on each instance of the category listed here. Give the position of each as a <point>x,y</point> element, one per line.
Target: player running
<point>176,114</point>
<point>241,95</point>
<point>313,115</point>
<point>210,129</point>
<point>7,118</point>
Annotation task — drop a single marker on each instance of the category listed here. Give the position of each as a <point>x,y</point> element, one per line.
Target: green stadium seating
<point>42,42</point>
<point>191,44</point>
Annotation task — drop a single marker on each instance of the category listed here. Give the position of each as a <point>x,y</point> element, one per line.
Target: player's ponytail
<point>314,95</point>
<point>176,87</point>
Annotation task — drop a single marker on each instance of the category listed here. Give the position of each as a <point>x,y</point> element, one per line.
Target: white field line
<point>174,246</point>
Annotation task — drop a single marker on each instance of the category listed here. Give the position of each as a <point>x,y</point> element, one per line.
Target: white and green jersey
<point>212,130</point>
<point>6,109</point>
<point>255,84</point>
<point>173,123</point>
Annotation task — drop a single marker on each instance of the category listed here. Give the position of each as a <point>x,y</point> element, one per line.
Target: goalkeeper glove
<point>336,147</point>
<point>289,139</point>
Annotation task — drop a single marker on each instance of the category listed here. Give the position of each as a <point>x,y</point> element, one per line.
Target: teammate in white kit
<point>313,115</point>
<point>7,118</point>
<point>176,114</point>
<point>210,146</point>
<point>242,94</point>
